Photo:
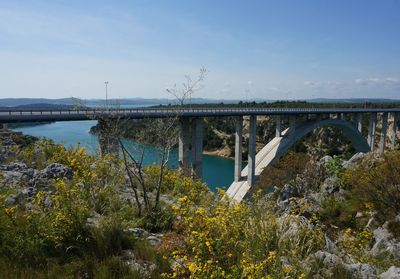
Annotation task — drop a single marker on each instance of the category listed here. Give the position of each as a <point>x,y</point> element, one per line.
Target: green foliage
<point>159,219</point>
<point>334,166</point>
<point>394,228</point>
<point>339,213</point>
<point>375,182</point>
<point>284,171</point>
<point>211,139</point>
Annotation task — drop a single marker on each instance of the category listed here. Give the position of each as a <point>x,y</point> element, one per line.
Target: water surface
<point>217,171</point>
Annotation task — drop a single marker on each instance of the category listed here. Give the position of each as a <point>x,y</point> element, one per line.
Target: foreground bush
<point>223,239</point>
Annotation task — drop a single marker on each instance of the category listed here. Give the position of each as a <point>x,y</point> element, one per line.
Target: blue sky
<point>278,49</point>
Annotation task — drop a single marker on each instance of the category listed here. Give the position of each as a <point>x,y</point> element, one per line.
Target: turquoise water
<point>217,171</point>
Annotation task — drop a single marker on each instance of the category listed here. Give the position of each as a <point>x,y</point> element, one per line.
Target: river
<point>217,171</point>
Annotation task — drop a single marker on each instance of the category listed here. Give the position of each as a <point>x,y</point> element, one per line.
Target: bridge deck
<point>36,115</point>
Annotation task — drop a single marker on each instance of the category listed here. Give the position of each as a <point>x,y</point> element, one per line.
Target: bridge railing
<point>205,110</point>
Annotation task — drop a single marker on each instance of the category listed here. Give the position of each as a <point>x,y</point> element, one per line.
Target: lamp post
<point>106,83</point>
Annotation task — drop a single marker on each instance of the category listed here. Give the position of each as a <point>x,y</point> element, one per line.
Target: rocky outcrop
<point>353,160</point>
<point>385,242</point>
<point>332,263</point>
<point>392,273</point>
<point>28,181</point>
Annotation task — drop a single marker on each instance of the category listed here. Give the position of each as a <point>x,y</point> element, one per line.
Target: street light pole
<point>106,83</point>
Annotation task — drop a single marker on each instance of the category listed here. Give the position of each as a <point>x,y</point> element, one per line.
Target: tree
<point>165,135</point>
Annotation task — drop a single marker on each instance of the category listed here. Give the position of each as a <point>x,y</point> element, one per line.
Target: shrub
<point>285,170</point>
<point>376,182</point>
<point>224,239</point>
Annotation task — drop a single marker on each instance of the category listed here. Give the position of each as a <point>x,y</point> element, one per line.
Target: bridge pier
<point>184,143</point>
<point>358,121</point>
<point>108,137</point>
<point>252,151</point>
<point>394,129</point>
<point>372,131</point>
<point>238,148</point>
<point>292,124</point>
<point>278,129</point>
<point>197,148</point>
<point>384,132</point>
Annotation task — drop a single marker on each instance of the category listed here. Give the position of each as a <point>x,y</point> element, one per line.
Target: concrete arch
<point>278,146</point>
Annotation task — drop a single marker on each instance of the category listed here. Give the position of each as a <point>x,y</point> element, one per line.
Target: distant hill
<point>353,100</point>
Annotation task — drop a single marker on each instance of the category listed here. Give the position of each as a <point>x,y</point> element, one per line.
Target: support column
<point>197,147</point>
<point>184,142</point>
<point>238,148</point>
<point>278,129</point>
<point>358,121</point>
<point>306,117</point>
<point>4,126</point>
<point>108,136</point>
<point>292,124</point>
<point>394,129</point>
<point>384,132</point>
<point>371,131</point>
<point>252,151</point>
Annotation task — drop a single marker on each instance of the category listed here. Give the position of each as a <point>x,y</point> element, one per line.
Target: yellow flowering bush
<point>225,239</point>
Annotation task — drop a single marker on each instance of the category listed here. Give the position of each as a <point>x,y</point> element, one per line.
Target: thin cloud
<point>377,81</point>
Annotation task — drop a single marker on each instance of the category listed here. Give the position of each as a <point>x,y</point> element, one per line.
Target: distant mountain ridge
<point>71,102</point>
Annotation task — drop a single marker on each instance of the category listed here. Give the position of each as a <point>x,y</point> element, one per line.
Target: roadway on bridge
<point>42,115</point>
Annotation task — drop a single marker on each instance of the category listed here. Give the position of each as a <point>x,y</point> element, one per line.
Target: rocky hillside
<point>65,214</point>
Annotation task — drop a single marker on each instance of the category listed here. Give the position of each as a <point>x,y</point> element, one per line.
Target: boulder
<point>332,262</point>
<point>16,172</point>
<point>329,186</point>
<point>154,240</point>
<point>28,192</point>
<point>353,160</point>
<point>325,159</point>
<point>328,259</point>
<point>288,191</point>
<point>392,273</point>
<point>52,171</point>
<point>136,232</point>
<point>359,270</point>
<point>15,166</point>
<point>56,170</point>
<point>330,246</point>
<point>11,200</point>
<point>384,242</point>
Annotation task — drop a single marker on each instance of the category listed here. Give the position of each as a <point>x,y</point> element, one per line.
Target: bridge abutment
<point>238,148</point>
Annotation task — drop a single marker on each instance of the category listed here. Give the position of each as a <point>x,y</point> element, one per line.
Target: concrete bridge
<point>302,121</point>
